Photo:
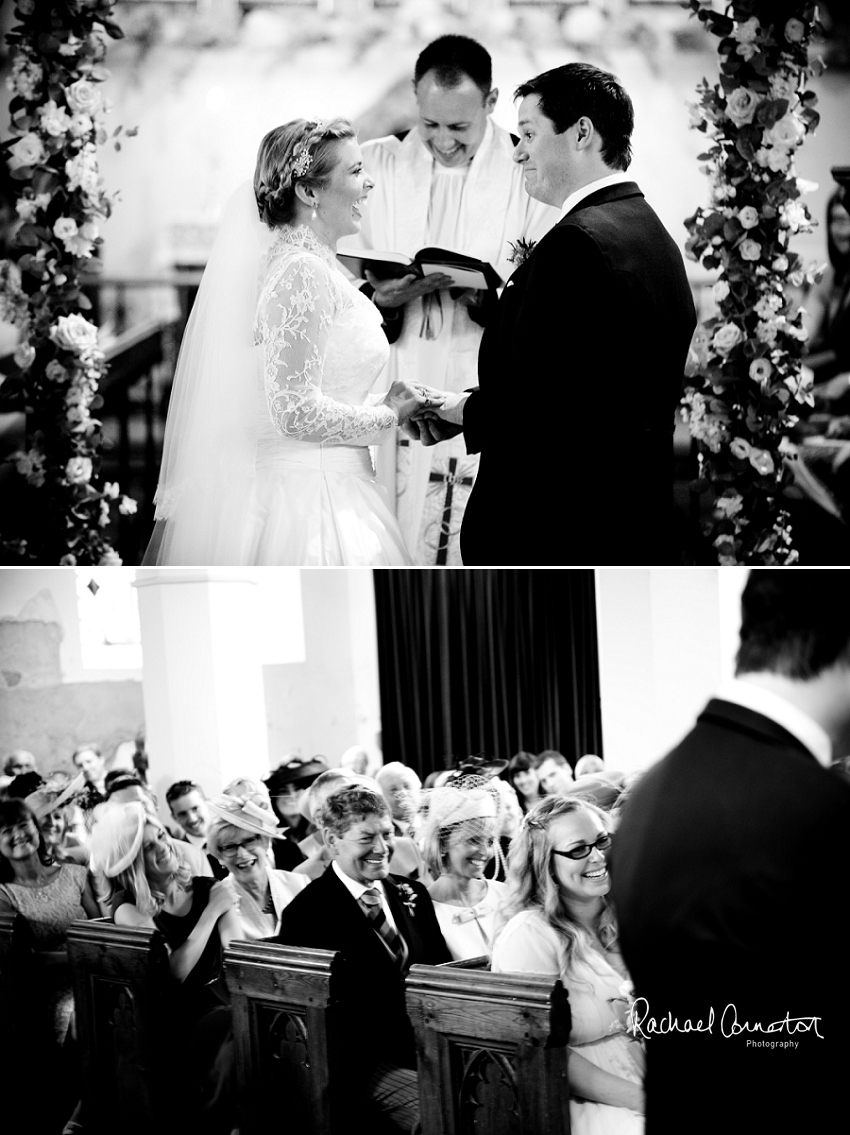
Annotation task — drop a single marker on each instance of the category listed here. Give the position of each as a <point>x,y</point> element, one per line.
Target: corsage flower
<point>408,897</point>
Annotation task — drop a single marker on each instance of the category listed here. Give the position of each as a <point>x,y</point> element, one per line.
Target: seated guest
<point>197,917</point>
<point>589,764</point>
<point>381,925</point>
<point>556,920</point>
<point>458,840</point>
<point>52,809</point>
<point>406,858</point>
<point>90,762</point>
<point>17,763</point>
<point>240,837</point>
<point>287,785</point>
<point>356,759</point>
<point>400,787</point>
<point>187,804</point>
<point>523,775</point>
<point>554,772</point>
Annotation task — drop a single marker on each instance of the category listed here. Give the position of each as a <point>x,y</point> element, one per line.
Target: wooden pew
<point>121,983</point>
<point>17,973</point>
<point>290,1064</point>
<point>491,1051</point>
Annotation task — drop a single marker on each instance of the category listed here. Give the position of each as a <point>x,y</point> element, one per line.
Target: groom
<point>583,364</point>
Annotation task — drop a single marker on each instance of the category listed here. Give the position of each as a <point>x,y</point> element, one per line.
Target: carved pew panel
<point>491,1051</point>
<point>121,981</point>
<point>290,1065</point>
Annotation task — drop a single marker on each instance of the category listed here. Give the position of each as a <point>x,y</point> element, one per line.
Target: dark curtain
<point>486,661</point>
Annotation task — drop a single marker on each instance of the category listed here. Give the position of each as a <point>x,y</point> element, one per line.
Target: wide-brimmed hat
<point>478,764</point>
<point>251,814</point>
<point>294,772</point>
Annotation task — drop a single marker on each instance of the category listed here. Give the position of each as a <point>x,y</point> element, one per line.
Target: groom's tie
<point>370,902</point>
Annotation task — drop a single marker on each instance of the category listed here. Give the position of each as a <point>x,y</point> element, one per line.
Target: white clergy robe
<point>479,210</point>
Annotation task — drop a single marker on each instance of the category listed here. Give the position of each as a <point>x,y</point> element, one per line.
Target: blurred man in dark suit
<point>729,873</point>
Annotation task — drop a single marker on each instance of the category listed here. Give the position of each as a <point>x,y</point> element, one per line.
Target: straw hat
<point>251,813</point>
<point>117,837</point>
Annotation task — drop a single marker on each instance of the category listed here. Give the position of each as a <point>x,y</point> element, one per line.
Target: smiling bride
<point>266,457</point>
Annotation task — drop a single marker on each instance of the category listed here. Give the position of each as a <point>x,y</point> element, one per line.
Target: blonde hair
<point>533,885</point>
<point>301,150</point>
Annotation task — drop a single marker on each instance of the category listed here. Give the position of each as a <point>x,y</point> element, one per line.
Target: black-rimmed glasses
<point>584,849</point>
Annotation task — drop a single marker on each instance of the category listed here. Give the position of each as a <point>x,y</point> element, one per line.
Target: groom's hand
<point>431,428</point>
<point>396,293</point>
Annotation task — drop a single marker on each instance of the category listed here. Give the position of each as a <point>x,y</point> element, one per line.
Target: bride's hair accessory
<point>291,153</point>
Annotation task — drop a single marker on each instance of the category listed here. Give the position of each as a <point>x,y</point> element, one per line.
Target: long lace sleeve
<point>297,307</point>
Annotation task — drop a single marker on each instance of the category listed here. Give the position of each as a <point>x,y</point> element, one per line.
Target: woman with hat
<point>240,837</point>
<point>286,786</point>
<point>197,916</point>
<point>458,840</point>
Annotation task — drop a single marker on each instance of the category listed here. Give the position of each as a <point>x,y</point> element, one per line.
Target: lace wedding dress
<point>266,458</point>
<point>317,501</point>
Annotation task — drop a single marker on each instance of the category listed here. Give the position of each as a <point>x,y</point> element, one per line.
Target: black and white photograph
<point>583,810</point>
<point>372,283</point>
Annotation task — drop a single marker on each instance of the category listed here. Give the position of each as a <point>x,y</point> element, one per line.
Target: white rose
<point>24,356</point>
<point>780,264</point>
<point>74,333</point>
<point>726,338</point>
<point>79,246</point>
<point>778,160</point>
<point>794,215</point>
<point>783,87</point>
<point>785,133</point>
<point>65,227</point>
<point>83,97</point>
<point>750,249</point>
<point>760,371</point>
<point>766,331</point>
<point>720,291</point>
<point>747,32</point>
<point>79,470</point>
<point>81,124</point>
<point>90,230</point>
<point>795,30</point>
<point>748,216</point>
<point>741,105</point>
<point>27,151</point>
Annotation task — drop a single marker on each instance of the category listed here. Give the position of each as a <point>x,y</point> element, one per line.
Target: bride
<point>266,457</point>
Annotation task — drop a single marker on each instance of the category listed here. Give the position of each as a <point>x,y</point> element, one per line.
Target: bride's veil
<point>203,500</point>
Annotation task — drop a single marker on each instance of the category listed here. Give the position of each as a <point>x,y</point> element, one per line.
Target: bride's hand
<point>405,398</point>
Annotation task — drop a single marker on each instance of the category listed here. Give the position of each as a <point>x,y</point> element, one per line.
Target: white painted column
<point>205,712</point>
<point>667,639</point>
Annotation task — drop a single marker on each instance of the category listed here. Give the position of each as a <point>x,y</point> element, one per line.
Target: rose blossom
<point>794,215</point>
<point>780,264</point>
<point>24,356</point>
<point>83,97</point>
<point>766,331</point>
<point>81,124</point>
<point>720,291</point>
<point>740,448</point>
<point>783,86</point>
<point>79,470</point>
<point>27,151</point>
<point>750,249</point>
<point>741,105</point>
<point>74,333</point>
<point>55,371</point>
<point>79,246</point>
<point>65,227</point>
<point>748,216</point>
<point>760,371</point>
<point>785,133</point>
<point>768,306</point>
<point>727,337</point>
<point>761,461</point>
<point>795,30</point>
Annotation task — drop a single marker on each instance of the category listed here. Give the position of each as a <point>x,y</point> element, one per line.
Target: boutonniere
<point>408,896</point>
<point>521,250</point>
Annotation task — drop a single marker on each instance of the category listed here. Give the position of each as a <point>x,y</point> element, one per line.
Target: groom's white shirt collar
<point>771,705</point>
<point>591,187</point>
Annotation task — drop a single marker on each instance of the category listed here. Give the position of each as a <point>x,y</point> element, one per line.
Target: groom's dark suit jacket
<point>580,371</point>
<point>730,873</point>
<point>325,916</point>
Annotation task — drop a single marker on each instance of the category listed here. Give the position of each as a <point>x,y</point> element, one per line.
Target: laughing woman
<point>556,921</point>
<point>197,917</point>
<point>240,837</point>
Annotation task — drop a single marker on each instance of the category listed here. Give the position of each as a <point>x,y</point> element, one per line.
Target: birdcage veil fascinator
<point>470,806</point>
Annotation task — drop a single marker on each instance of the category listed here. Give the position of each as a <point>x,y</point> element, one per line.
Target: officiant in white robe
<point>449,183</point>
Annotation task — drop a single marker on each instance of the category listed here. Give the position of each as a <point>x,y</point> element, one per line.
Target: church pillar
<point>205,712</point>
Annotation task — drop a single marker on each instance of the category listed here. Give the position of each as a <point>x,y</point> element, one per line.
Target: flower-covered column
<point>745,380</point>
<point>57,109</point>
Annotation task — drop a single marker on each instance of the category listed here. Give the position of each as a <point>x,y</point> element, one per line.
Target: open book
<point>466,271</point>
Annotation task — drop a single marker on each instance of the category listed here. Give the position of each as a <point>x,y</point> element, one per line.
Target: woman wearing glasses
<point>240,837</point>
<point>556,920</point>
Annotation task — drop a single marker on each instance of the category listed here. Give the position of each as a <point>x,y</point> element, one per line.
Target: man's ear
<point>491,100</point>
<point>585,133</point>
<point>330,840</point>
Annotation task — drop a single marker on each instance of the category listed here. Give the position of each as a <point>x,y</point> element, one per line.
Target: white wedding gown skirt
<point>320,505</point>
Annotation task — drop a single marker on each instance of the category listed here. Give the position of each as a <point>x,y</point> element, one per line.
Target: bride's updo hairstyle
<point>302,150</point>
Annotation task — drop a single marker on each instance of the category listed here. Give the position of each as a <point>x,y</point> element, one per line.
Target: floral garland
<point>746,382</point>
<point>56,112</point>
